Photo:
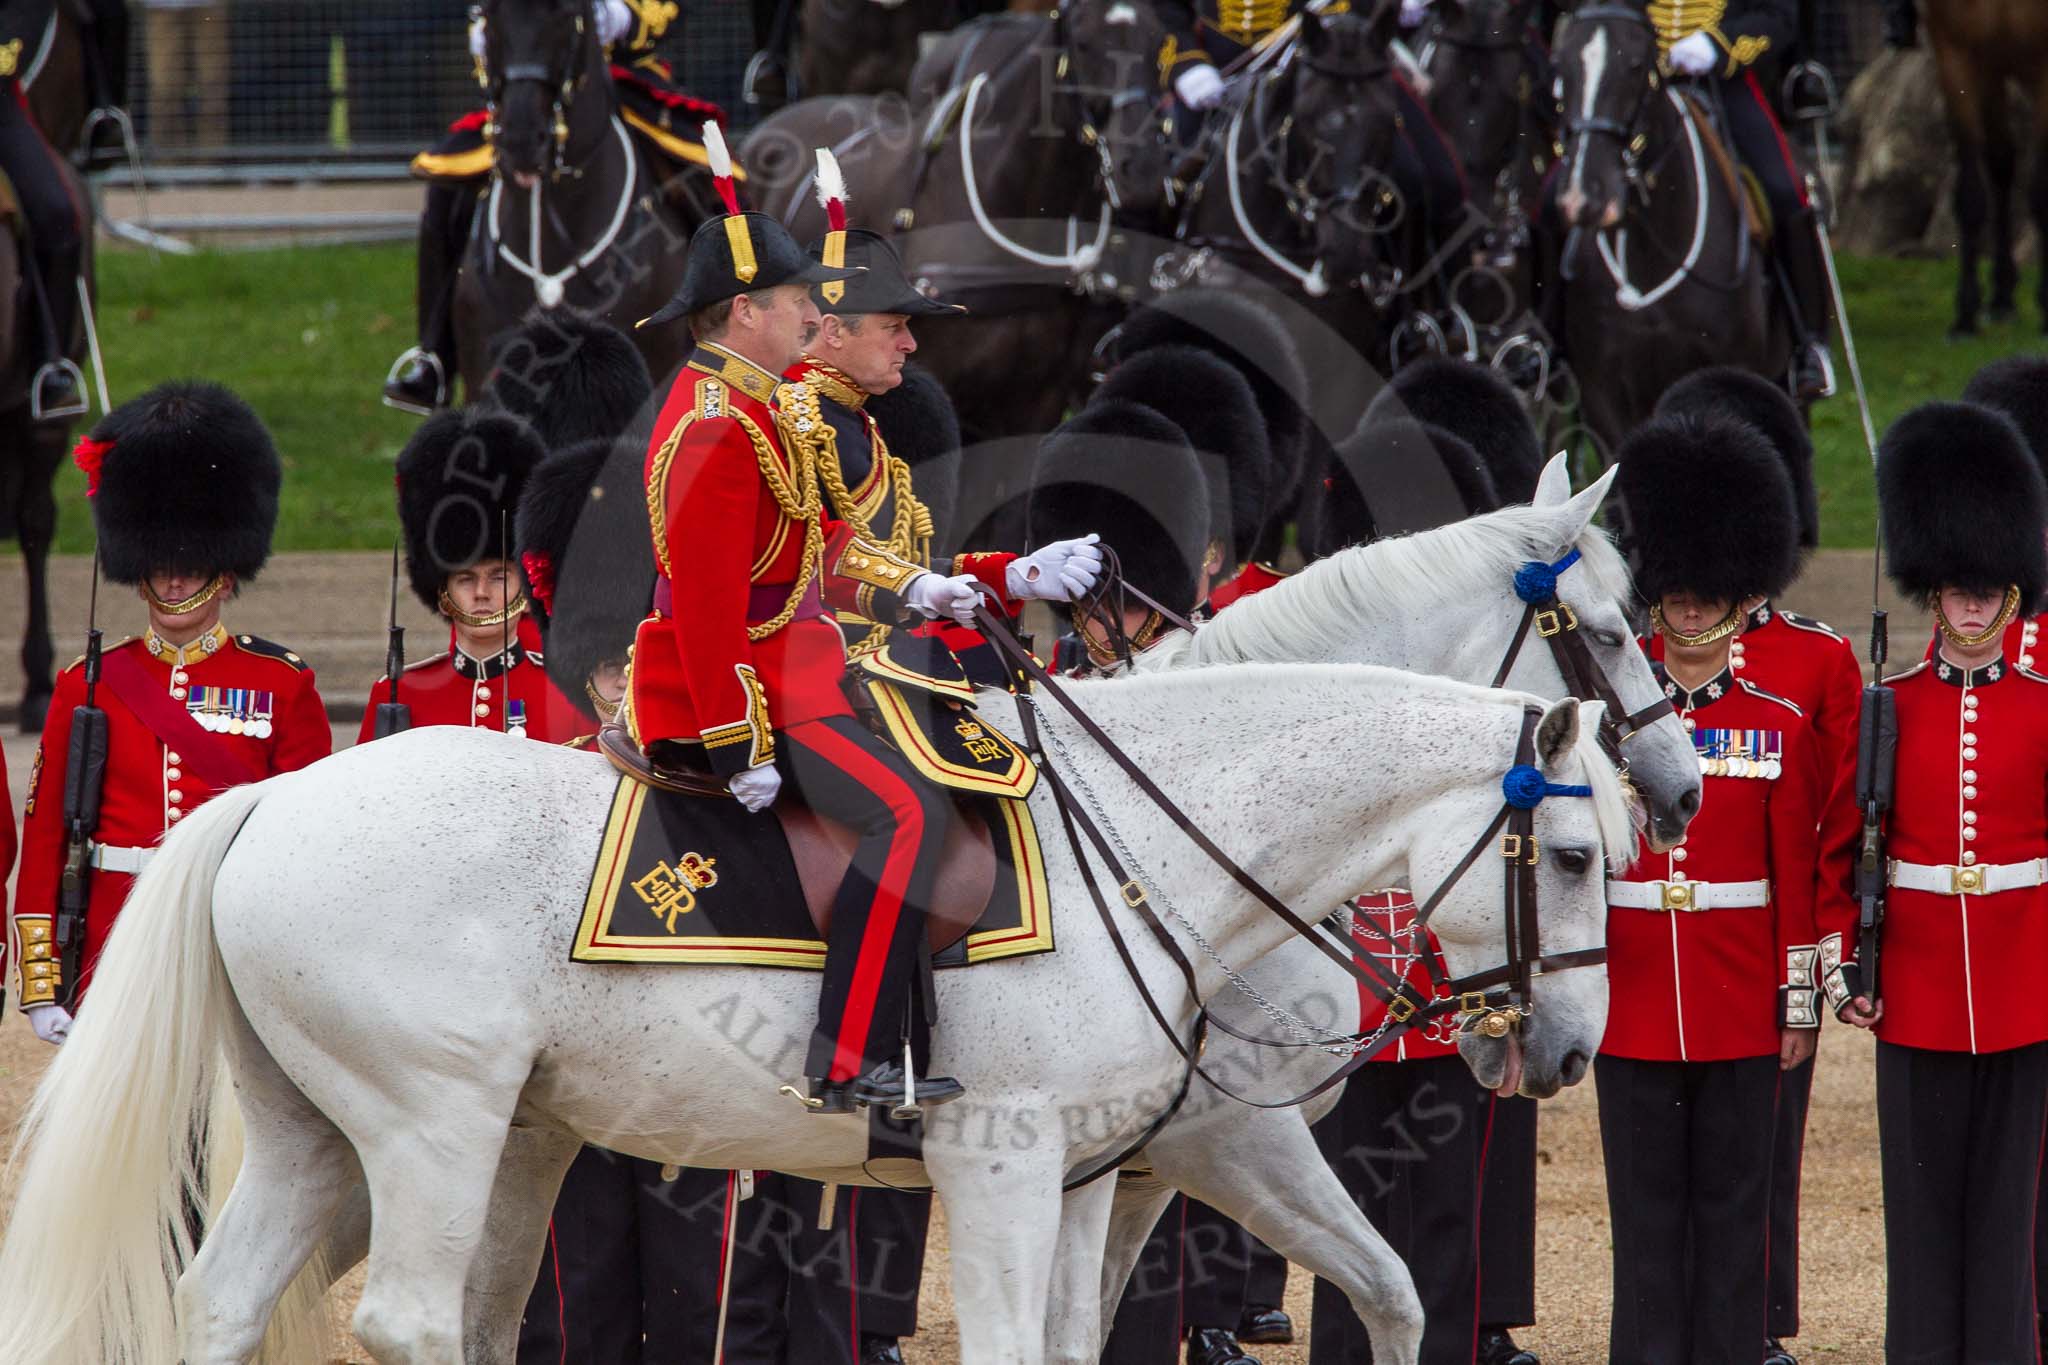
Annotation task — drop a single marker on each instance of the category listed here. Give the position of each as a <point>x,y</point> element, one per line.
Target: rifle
<point>393,715</point>
<point>1877,751</point>
<point>85,776</point>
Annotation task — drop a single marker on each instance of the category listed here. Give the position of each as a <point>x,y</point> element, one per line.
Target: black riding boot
<point>766,82</point>
<point>58,388</point>
<point>107,46</point>
<point>423,379</point>
<point>1804,275</point>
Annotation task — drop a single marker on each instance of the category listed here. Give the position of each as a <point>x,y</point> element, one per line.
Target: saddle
<point>822,848</point>
<point>1743,186</point>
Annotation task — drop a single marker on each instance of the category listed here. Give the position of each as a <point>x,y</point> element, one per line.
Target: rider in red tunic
<point>459,480</point>
<point>1962,1056</point>
<point>183,482</point>
<point>1711,945</point>
<point>738,667</point>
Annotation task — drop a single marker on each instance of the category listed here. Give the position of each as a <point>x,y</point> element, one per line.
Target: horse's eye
<point>1610,638</point>
<point>1574,860</point>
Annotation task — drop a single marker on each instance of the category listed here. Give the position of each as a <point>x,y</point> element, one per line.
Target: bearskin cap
<point>1253,338</point>
<point>1390,456</point>
<point>1210,400</point>
<point>2018,387</point>
<point>1710,509</point>
<point>1124,471</point>
<point>183,478</point>
<point>459,480</point>
<point>1474,403</point>
<point>920,427</point>
<point>1736,392</point>
<point>588,559</point>
<point>572,376</point>
<point>1962,504</point>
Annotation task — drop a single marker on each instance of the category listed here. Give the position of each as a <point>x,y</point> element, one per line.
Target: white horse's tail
<point>110,1148</point>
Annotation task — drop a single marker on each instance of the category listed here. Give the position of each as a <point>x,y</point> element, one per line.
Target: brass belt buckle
<point>1678,896</point>
<point>1965,881</point>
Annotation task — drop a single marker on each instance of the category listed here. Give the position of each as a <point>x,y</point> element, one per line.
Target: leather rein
<point>1490,1002</point>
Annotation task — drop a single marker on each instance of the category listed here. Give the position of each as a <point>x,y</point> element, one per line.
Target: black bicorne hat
<point>459,481</point>
<point>184,478</point>
<point>2018,387</point>
<point>1736,392</point>
<point>737,253</point>
<point>588,558</point>
<point>884,288</point>
<point>1210,400</point>
<point>1963,504</point>
<point>1710,509</point>
<point>1474,403</point>
<point>920,427</point>
<point>572,376</point>
<point>1124,471</point>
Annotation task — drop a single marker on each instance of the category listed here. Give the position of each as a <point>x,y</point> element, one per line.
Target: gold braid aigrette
<point>910,523</point>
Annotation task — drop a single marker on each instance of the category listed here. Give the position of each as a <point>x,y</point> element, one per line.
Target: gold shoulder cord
<point>910,522</point>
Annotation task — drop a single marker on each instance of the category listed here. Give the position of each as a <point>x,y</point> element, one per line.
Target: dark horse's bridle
<point>1489,1002</point>
<point>1628,132</point>
<point>562,74</point>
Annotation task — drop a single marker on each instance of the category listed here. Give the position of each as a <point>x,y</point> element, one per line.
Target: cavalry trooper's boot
<point>1805,279</point>
<point>57,389</point>
<point>422,380</point>
<point>1496,1347</point>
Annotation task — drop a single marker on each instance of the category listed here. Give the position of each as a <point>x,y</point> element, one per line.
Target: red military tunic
<point>1971,795</point>
<point>1380,922</point>
<point>1699,983</point>
<point>1252,578</point>
<point>509,691</point>
<point>741,639</point>
<point>255,700</point>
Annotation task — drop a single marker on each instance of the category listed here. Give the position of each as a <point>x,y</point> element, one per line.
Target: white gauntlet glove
<point>52,1023</point>
<point>756,788</point>
<point>1199,86</point>
<point>476,34</point>
<point>934,595</point>
<point>1064,571</point>
<point>1695,54</point>
<point>614,21</point>
<point>1413,12</point>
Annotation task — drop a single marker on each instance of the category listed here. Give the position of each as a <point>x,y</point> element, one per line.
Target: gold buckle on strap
<point>1513,846</point>
<point>1133,894</point>
<point>1548,623</point>
<point>1965,881</point>
<point>1678,895</point>
<point>1400,1009</point>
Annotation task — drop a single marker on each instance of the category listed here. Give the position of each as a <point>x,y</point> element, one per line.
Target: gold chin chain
<point>190,604</point>
<point>1103,655</point>
<point>607,711</point>
<point>1990,632</point>
<point>1729,624</point>
<point>510,611</point>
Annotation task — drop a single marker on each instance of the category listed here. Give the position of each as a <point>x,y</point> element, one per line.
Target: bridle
<point>1090,130</point>
<point>1491,1002</point>
<point>562,75</point>
<point>1627,131</point>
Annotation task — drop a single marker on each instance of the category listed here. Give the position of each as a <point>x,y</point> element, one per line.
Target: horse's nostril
<point>1574,1069</point>
<point>1689,803</point>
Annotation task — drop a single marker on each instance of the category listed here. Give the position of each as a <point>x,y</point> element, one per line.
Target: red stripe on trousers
<point>1756,91</point>
<point>1479,1223</point>
<point>887,907</point>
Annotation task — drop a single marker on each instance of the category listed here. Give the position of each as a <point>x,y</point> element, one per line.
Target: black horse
<point>865,47</point>
<point>1028,142</point>
<point>31,452</point>
<point>1663,271</point>
<point>575,213</point>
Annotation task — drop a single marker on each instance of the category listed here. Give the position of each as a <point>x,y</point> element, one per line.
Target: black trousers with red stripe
<point>1788,1150</point>
<point>1409,1141</point>
<point>1761,143</point>
<point>1507,1217</point>
<point>874,951</point>
<point>1688,1156</point>
<point>56,231</point>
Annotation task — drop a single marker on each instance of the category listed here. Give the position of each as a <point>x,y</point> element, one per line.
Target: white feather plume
<point>831,184</point>
<point>714,150</point>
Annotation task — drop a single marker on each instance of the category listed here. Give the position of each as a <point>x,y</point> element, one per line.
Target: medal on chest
<point>1740,753</point>
<point>232,710</point>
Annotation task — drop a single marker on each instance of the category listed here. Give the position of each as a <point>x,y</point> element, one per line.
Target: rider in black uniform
<point>55,220</point>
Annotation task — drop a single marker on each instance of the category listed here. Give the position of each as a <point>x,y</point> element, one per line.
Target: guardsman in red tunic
<point>459,479</point>
<point>183,483</point>
<point>1712,945</point>
<point>1808,664</point>
<point>738,667</point>
<point>1962,1052</point>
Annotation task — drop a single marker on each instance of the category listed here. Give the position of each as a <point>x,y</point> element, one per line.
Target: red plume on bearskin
<point>831,191</point>
<point>540,577</point>
<point>721,165</point>
<point>89,455</point>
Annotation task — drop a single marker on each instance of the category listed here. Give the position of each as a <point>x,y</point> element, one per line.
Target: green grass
<point>306,336</point>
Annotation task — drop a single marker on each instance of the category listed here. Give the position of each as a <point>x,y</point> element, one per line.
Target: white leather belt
<point>108,858</point>
<point>1688,895</point>
<point>1983,879</point>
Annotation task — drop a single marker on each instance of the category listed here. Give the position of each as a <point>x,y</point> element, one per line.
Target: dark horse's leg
<point>1968,107</point>
<point>2001,168</point>
<point>2037,188</point>
<point>36,524</point>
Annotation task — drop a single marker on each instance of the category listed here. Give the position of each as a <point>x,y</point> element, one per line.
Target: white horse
<point>391,1005</point>
<point>1439,602</point>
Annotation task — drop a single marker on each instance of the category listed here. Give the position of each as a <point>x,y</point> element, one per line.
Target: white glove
<point>935,595</point>
<point>1413,12</point>
<point>52,1023</point>
<point>1064,571</point>
<point>756,788</point>
<point>614,21</point>
<point>1695,54</point>
<point>1199,86</point>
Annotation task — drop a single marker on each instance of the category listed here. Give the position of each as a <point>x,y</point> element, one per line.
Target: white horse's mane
<point>1478,556</point>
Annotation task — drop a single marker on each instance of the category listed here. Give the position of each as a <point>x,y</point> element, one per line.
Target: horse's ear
<point>1586,502</point>
<point>1554,485</point>
<point>1557,736</point>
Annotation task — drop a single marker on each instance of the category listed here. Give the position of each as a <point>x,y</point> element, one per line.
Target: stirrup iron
<point>908,1110</point>
<point>38,411</point>
<point>433,361</point>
